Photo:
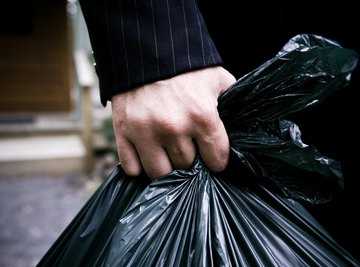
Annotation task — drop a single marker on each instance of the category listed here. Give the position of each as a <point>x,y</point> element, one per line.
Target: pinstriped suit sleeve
<point>140,41</point>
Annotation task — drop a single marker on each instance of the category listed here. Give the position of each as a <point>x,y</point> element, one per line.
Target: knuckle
<point>205,119</point>
<point>172,127</point>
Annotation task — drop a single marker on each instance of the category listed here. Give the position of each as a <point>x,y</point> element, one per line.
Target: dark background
<point>249,33</point>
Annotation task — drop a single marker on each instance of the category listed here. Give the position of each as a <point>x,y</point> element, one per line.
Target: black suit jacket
<point>137,42</point>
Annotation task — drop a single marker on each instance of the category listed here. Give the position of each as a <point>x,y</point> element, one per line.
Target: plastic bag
<point>249,215</point>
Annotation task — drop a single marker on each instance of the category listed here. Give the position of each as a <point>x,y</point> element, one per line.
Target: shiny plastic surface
<point>249,215</point>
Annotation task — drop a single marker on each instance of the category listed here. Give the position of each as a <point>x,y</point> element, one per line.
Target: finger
<point>154,159</point>
<point>129,159</point>
<point>181,151</point>
<point>214,147</point>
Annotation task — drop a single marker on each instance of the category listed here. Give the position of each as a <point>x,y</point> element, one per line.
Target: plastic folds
<point>249,215</point>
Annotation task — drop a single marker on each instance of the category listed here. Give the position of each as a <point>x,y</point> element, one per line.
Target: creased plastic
<point>249,215</point>
<point>304,72</point>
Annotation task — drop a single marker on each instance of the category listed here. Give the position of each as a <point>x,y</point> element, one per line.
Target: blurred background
<point>55,137</point>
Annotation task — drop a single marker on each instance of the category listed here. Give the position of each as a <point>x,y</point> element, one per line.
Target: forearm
<point>138,42</point>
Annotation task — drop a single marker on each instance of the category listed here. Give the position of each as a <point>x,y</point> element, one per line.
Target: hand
<point>160,126</point>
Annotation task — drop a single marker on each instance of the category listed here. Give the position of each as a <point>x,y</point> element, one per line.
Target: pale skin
<point>160,126</point>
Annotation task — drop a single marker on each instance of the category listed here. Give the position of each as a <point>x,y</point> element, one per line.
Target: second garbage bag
<point>251,214</point>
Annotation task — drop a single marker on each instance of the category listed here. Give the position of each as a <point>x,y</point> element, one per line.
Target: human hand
<point>160,126</point>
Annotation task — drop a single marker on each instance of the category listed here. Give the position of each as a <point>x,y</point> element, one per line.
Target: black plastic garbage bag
<point>251,214</point>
